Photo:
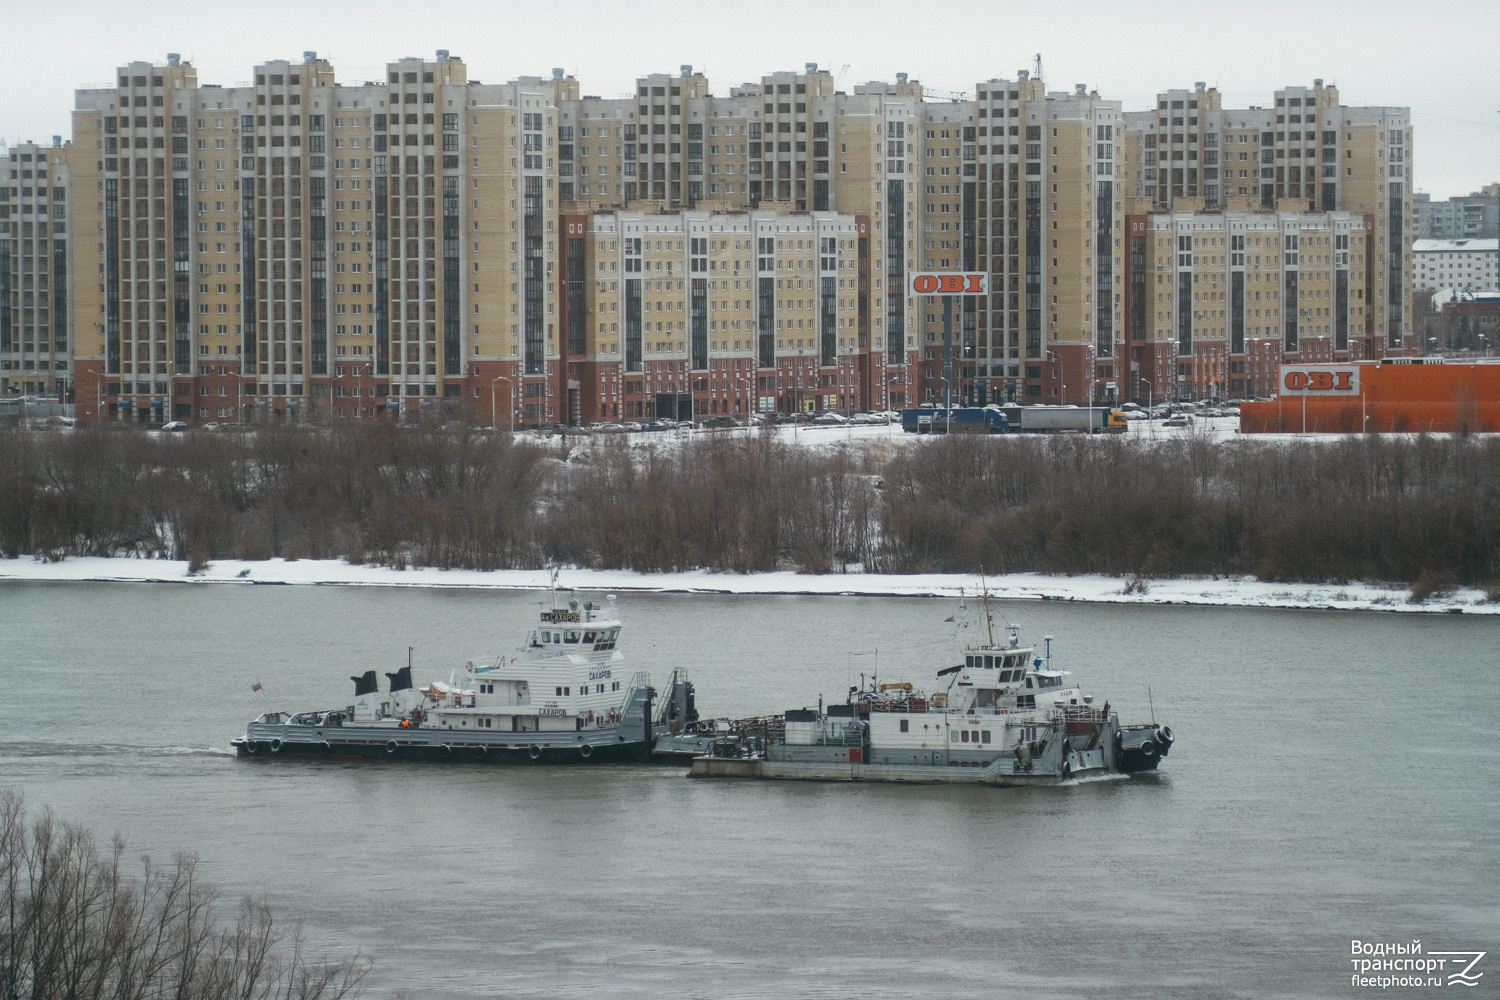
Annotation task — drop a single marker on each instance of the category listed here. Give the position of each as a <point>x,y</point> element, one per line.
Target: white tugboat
<point>1006,717</point>
<point>565,695</point>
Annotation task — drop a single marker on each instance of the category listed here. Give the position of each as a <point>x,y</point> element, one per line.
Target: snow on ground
<point>1223,591</point>
<point>828,437</point>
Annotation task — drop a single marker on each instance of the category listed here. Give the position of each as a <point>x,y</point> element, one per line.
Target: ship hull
<point>728,767</point>
<point>412,745</point>
<point>1106,749</point>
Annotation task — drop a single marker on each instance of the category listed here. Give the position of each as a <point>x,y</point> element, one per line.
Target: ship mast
<point>989,621</point>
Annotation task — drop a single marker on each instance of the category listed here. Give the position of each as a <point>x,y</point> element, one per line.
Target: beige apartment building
<point>299,247</point>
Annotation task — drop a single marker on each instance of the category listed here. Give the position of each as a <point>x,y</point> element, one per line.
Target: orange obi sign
<point>949,283</point>
<point>1319,380</point>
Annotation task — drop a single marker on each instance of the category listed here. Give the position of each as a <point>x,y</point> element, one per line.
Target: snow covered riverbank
<point>1223,591</point>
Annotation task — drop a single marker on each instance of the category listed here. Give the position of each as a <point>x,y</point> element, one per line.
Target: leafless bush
<point>78,921</point>
<point>1433,583</point>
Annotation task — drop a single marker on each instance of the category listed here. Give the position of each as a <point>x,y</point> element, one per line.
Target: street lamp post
<point>1150,389</point>
<point>1090,390</point>
<point>511,417</point>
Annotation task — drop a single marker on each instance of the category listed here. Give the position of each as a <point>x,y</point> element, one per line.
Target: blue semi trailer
<point>959,420</point>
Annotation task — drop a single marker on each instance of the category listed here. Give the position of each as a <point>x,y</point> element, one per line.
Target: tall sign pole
<point>948,361</point>
<point>948,284</point>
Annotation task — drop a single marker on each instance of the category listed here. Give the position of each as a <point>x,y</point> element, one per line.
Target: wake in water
<point>1090,779</point>
<point>45,749</point>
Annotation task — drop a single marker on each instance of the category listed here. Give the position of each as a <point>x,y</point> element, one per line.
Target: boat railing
<point>850,736</point>
<point>638,680</point>
<point>917,706</point>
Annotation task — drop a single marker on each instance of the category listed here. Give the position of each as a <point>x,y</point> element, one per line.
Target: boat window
<point>985,736</point>
<point>905,725</point>
<point>571,637</point>
<point>969,661</point>
<point>1028,682</point>
<point>953,736</point>
<point>964,736</point>
<point>989,662</point>
<point>588,637</point>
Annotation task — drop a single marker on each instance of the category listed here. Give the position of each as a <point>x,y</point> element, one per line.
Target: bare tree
<point>74,923</point>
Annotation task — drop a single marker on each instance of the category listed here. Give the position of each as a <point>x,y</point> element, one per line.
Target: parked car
<point>174,427</point>
<point>1178,420</point>
<point>830,418</point>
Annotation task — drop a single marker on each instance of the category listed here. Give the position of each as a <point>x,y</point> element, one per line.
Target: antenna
<point>1036,71</point>
<point>989,619</point>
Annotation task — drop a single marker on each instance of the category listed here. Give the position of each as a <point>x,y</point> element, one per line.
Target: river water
<point>1334,778</point>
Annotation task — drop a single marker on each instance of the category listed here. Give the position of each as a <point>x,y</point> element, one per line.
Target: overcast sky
<point>1438,58</point>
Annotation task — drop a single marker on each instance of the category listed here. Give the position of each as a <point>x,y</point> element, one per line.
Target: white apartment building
<point>1462,265</point>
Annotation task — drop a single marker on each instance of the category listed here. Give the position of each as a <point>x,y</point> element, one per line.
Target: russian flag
<point>255,686</point>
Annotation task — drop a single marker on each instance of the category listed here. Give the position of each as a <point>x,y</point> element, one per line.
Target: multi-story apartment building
<point>1227,184</point>
<point>1460,265</point>
<point>299,246</point>
<point>1462,217</point>
<point>36,320</point>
